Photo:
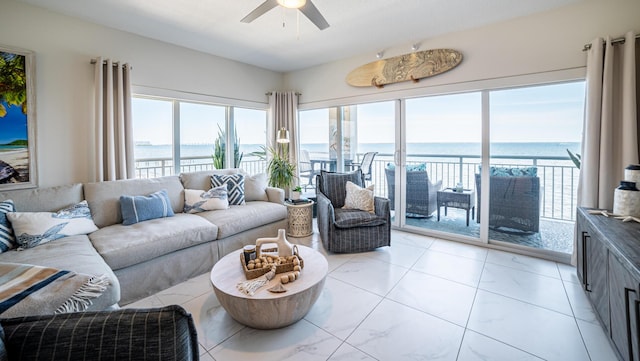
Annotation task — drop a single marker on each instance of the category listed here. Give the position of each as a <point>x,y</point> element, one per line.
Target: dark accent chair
<point>166,333</point>
<point>421,193</point>
<point>349,230</point>
<point>514,202</point>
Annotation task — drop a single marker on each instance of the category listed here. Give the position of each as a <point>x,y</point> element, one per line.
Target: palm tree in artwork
<point>13,82</point>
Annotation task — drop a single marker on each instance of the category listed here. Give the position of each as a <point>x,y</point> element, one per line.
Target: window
<point>168,129</point>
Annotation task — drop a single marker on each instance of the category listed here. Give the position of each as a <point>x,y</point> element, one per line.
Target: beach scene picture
<point>15,157</point>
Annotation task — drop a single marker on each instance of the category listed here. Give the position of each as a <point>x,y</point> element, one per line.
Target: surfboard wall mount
<point>413,66</point>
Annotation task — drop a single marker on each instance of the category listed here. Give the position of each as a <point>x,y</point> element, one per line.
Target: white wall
<point>546,42</point>
<point>64,47</point>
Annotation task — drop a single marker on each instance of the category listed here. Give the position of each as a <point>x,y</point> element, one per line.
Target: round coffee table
<point>267,310</point>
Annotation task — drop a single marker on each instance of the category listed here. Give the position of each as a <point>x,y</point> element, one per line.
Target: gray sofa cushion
<point>104,197</point>
<point>74,253</point>
<point>49,199</point>
<point>123,246</point>
<point>202,180</point>
<point>166,333</point>
<point>349,218</point>
<point>237,219</point>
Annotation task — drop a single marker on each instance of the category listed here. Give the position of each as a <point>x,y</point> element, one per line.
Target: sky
<point>547,113</point>
<point>13,126</point>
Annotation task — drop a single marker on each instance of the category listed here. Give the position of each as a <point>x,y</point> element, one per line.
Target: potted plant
<point>219,148</point>
<point>296,192</point>
<point>281,172</point>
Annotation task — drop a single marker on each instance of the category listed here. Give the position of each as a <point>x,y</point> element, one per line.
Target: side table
<point>462,200</point>
<point>300,218</point>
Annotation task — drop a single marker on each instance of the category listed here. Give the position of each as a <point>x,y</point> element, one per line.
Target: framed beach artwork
<point>17,119</point>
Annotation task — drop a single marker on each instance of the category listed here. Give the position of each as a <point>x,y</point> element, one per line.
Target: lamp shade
<point>292,4</point>
<point>282,136</point>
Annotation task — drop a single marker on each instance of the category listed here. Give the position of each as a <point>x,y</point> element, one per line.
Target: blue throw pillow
<point>142,208</point>
<point>420,167</point>
<point>7,239</point>
<point>513,172</point>
<point>235,186</point>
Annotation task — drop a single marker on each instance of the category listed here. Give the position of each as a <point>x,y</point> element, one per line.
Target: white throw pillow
<point>35,228</point>
<point>359,198</point>
<point>196,201</point>
<point>255,187</point>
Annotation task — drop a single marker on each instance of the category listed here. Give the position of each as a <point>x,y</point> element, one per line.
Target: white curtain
<point>113,123</point>
<point>610,132</point>
<point>283,113</point>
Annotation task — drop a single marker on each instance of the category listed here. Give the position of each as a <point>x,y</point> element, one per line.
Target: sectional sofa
<point>149,256</point>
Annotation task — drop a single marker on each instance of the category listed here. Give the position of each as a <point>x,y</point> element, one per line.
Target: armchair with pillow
<point>350,217</point>
<point>421,193</point>
<point>514,198</point>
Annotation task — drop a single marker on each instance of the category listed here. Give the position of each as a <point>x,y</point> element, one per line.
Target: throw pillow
<point>333,185</point>
<point>7,239</point>
<point>359,198</point>
<point>419,167</point>
<point>513,172</point>
<point>142,208</point>
<point>196,201</point>
<point>255,187</point>
<point>35,228</point>
<point>235,186</point>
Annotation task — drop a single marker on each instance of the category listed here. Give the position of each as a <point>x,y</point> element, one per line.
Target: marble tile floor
<point>420,299</point>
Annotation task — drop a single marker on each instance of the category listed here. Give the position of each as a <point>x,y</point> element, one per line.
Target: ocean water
<point>451,149</point>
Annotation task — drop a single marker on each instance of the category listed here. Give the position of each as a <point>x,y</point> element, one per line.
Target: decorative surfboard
<point>412,66</point>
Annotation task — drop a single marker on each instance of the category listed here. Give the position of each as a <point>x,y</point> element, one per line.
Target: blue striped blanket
<point>33,290</point>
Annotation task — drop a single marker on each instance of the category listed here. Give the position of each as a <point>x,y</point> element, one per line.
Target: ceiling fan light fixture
<point>292,4</point>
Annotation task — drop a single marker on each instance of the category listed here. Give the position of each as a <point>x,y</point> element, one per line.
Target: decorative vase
<point>632,173</point>
<point>284,247</point>
<point>295,195</point>
<point>626,199</point>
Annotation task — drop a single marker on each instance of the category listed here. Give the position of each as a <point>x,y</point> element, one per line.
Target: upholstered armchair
<point>421,193</point>
<point>166,333</point>
<point>514,202</point>
<point>349,230</point>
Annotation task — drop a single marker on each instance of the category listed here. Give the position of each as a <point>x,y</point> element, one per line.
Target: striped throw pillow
<point>142,208</point>
<point>235,186</point>
<point>7,239</point>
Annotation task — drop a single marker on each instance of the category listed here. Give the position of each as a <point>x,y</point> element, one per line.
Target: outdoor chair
<point>514,202</point>
<point>349,230</point>
<point>421,193</point>
<point>365,165</point>
<point>306,168</point>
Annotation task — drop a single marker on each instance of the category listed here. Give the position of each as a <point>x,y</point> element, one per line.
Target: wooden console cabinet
<point>609,269</point>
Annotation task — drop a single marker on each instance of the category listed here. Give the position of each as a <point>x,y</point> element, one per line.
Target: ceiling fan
<point>305,6</point>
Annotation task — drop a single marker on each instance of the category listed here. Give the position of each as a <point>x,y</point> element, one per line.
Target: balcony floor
<point>554,235</point>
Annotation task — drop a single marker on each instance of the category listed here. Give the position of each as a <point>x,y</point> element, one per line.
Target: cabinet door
<point>582,256</point>
<point>596,278</point>
<point>624,310</point>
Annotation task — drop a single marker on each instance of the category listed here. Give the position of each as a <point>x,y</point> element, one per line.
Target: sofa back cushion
<point>49,199</point>
<point>202,180</point>
<point>104,197</point>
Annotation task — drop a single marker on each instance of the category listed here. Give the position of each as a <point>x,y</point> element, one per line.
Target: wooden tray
<point>281,268</point>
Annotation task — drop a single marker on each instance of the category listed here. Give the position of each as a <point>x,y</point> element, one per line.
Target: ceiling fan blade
<point>260,10</point>
<point>312,12</point>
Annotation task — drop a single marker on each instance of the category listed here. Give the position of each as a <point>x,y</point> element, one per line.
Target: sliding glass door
<point>443,150</point>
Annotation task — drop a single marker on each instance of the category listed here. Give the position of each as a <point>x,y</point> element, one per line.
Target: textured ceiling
<point>356,26</point>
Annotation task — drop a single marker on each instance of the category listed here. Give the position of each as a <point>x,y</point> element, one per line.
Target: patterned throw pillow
<point>35,228</point>
<point>196,201</point>
<point>7,239</point>
<point>513,172</point>
<point>359,198</point>
<point>142,208</point>
<point>420,167</point>
<point>235,186</point>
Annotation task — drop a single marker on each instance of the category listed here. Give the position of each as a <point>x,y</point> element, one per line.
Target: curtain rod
<point>115,63</point>
<point>613,42</point>
<point>270,93</point>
